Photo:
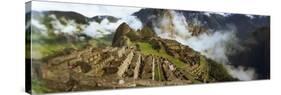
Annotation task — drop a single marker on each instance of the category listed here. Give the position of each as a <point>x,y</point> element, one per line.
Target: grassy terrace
<point>158,74</point>
<point>147,49</point>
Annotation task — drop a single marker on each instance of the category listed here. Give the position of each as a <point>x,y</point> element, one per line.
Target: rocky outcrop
<point>125,36</point>
<point>120,39</point>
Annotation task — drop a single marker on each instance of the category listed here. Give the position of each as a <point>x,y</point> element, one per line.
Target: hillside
<point>135,59</point>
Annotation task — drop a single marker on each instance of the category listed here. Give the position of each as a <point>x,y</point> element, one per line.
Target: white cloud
<point>88,10</point>
<point>223,14</point>
<point>37,24</point>
<point>96,29</point>
<point>132,21</point>
<point>215,45</point>
<point>250,16</point>
<point>106,27</point>
<point>241,72</point>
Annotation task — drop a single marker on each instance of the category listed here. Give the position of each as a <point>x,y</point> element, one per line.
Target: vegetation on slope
<point>147,49</point>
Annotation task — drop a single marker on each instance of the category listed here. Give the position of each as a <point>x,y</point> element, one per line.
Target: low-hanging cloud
<point>106,27</point>
<point>69,27</point>
<point>216,45</point>
<point>94,29</point>
<point>241,73</point>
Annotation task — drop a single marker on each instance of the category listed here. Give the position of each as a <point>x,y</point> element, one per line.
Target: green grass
<point>219,72</point>
<point>45,50</point>
<point>38,87</point>
<point>147,49</point>
<point>99,42</point>
<point>158,73</point>
<point>204,66</point>
<point>44,46</point>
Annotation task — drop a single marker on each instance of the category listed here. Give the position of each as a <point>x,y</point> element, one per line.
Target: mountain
<point>54,31</point>
<point>211,21</point>
<point>245,24</point>
<point>124,35</point>
<point>69,15</point>
<point>169,23</point>
<point>242,23</point>
<point>194,21</point>
<point>102,17</point>
<point>257,54</point>
<point>135,59</point>
<point>225,37</point>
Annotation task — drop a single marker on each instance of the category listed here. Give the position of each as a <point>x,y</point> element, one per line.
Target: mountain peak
<point>120,38</point>
<point>124,27</point>
<point>125,34</point>
<point>100,18</point>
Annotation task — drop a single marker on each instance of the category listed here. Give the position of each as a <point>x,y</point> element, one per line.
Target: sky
<point>88,10</point>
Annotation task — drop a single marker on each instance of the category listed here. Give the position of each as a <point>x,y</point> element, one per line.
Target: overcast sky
<point>88,10</point>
